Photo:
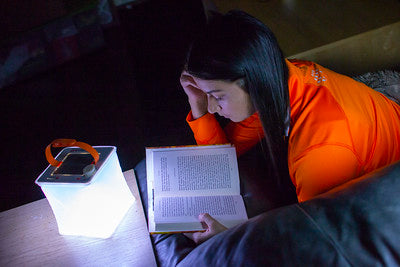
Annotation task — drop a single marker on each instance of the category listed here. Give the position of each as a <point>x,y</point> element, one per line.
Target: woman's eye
<point>218,98</point>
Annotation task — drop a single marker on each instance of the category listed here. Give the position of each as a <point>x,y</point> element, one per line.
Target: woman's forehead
<point>210,86</point>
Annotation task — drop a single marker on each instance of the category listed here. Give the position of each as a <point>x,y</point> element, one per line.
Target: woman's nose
<point>212,105</point>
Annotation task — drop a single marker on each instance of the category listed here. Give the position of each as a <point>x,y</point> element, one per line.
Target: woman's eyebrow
<point>213,91</point>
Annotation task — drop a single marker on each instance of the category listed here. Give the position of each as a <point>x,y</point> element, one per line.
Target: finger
<point>196,237</point>
<point>186,78</point>
<point>188,82</point>
<point>206,218</point>
<point>189,235</point>
<point>204,225</point>
<point>186,75</point>
<point>185,72</point>
<point>214,226</point>
<point>211,225</point>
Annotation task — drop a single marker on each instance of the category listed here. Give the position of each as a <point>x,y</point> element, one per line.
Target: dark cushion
<point>259,191</point>
<point>358,225</point>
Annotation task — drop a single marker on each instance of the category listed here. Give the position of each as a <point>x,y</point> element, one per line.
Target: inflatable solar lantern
<point>86,188</point>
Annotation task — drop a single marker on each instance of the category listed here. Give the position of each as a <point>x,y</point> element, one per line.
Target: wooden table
<point>29,237</point>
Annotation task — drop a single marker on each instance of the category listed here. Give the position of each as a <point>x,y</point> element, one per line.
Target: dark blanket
<point>358,226</point>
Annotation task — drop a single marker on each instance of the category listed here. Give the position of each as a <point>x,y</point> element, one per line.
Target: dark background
<point>120,84</point>
<point>125,93</point>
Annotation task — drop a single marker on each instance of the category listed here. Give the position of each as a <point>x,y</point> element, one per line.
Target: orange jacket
<point>340,129</point>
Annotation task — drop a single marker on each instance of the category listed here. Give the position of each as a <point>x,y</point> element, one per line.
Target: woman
<point>326,127</point>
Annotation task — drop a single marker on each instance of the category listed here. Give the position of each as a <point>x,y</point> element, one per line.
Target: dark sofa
<point>357,224</point>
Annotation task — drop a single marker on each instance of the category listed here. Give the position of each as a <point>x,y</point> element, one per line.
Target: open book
<point>183,182</point>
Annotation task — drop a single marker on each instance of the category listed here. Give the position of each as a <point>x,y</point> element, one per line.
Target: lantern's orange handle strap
<point>67,143</point>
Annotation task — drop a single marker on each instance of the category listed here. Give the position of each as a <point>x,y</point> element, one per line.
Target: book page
<point>181,213</point>
<point>199,171</point>
<point>150,190</point>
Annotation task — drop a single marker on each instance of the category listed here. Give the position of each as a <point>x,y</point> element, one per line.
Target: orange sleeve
<point>314,172</point>
<point>206,130</point>
<point>244,135</point>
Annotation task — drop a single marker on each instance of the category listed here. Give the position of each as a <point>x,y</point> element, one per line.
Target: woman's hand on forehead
<point>190,87</point>
<point>196,97</point>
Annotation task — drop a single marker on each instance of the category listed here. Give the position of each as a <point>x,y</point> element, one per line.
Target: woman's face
<point>227,99</point>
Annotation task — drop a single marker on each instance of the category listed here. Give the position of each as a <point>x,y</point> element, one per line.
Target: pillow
<point>356,226</point>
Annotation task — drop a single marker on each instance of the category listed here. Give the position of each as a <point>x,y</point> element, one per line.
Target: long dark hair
<point>238,46</point>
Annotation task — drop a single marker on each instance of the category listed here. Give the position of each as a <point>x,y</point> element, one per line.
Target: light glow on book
<point>183,182</point>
